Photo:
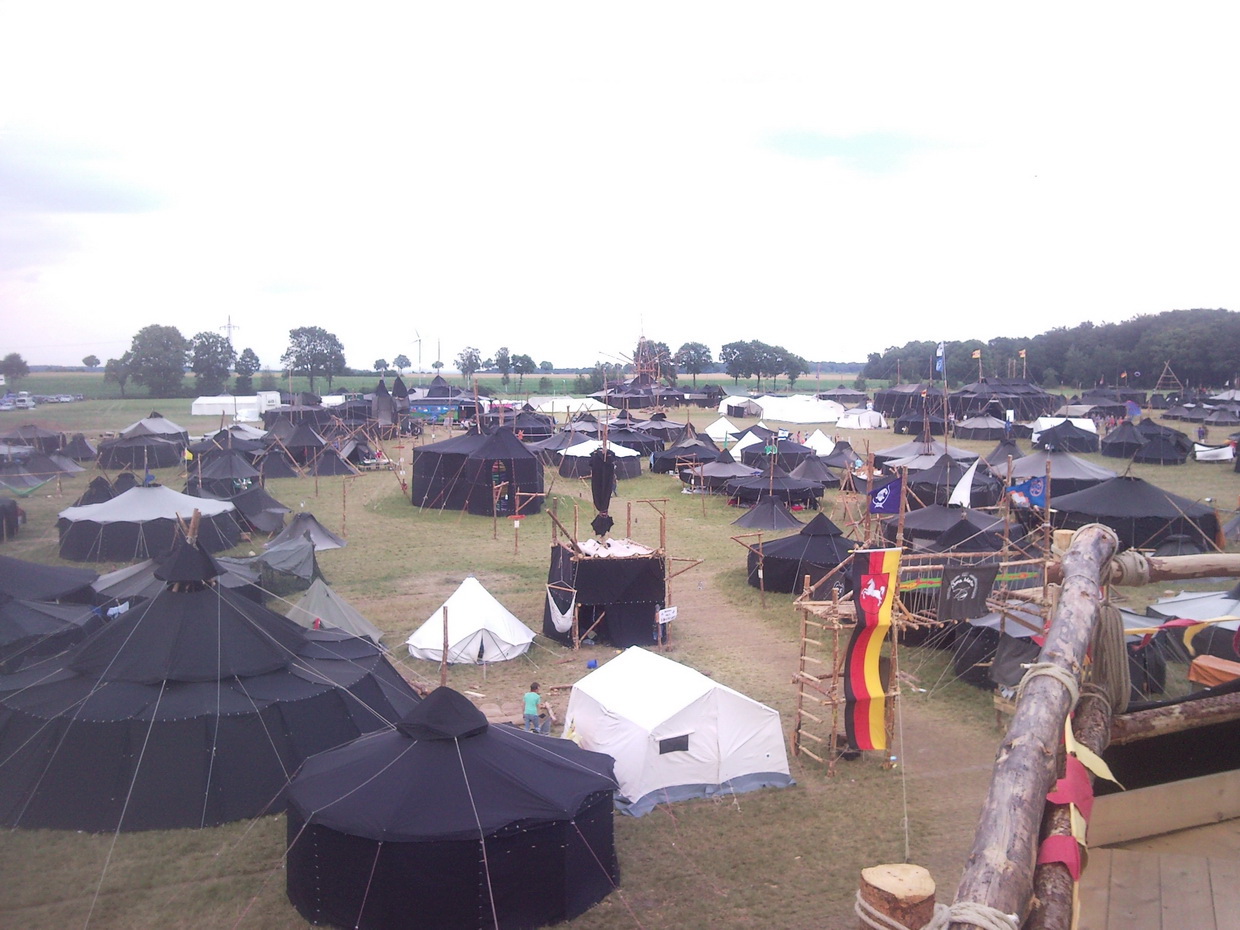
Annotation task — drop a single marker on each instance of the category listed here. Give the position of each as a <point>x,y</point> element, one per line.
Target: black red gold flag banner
<point>875,576</point>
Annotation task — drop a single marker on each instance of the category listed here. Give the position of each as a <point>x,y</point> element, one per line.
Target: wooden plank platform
<point>1124,889</point>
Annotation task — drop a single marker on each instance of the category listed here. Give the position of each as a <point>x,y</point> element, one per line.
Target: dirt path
<point>945,765</point>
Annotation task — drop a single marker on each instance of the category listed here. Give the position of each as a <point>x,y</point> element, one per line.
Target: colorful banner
<point>875,576</point>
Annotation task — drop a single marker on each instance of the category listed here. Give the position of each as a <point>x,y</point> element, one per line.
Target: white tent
<point>320,606</point>
<point>480,629</point>
<point>799,408</point>
<point>862,419</point>
<point>674,733</point>
<point>820,442</point>
<point>721,431</point>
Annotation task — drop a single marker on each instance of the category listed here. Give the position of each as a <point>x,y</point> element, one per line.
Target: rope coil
<point>1051,670</point>
<point>965,912</point>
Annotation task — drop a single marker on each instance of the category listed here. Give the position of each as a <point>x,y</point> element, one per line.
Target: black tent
<point>924,526</point>
<point>684,454</point>
<point>814,469</point>
<point>30,581</point>
<point>819,547</point>
<point>79,449</point>
<point>448,822</point>
<point>1068,472</point>
<point>775,482</point>
<point>142,523</point>
<point>996,396</point>
<point>1067,437</point>
<point>996,458</point>
<point>770,513</point>
<point>980,427</point>
<point>481,474</point>
<point>788,454</point>
<point>575,460</point>
<point>919,423</point>
<point>10,518</point>
<point>1142,514</point>
<point>615,589</point>
<point>934,485</point>
<point>33,630</point>
<point>35,436</point>
<point>1123,441</point>
<point>187,711</point>
<point>142,451</point>
<point>718,473</point>
<point>1160,450</point>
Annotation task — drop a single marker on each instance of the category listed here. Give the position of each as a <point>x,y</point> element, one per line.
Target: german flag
<point>875,576</point>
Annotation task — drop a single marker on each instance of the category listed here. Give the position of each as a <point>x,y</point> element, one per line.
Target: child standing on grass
<point>536,714</point>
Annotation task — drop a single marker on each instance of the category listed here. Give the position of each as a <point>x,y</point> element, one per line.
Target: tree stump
<point>902,892</point>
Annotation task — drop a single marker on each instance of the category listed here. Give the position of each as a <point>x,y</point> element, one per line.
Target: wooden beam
<point>1188,715</point>
<point>1158,809</point>
<point>999,872</point>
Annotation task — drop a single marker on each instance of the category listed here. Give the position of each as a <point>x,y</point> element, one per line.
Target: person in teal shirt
<point>536,713</point>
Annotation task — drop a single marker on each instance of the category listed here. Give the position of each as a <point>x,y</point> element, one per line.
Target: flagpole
<point>903,507</point>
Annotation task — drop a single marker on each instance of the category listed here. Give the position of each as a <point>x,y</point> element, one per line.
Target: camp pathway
<point>945,766</point>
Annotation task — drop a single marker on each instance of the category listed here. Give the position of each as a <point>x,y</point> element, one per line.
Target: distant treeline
<point>1201,346</point>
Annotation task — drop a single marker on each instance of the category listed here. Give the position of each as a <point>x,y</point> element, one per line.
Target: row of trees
<point>757,359</point>
<point>1201,346</point>
<point>159,355</point>
<point>469,361</point>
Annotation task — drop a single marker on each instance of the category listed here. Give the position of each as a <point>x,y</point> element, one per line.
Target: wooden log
<point>1166,568</point>
<point>1052,882</point>
<point>900,892</point>
<point>999,871</point>
<point>1143,724</point>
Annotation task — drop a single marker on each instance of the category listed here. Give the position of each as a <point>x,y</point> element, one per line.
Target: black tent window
<point>674,744</point>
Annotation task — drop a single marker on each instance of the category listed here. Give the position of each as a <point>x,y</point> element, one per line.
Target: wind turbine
<point>418,340</point>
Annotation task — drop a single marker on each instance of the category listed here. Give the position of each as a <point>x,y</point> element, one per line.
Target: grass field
<point>90,384</point>
<point>785,858</point>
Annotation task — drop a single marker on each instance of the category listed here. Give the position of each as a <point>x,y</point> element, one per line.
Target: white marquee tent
<point>480,629</point>
<point>674,733</point>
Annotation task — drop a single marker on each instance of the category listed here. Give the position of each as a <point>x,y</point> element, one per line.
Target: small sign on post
<point>667,614</point>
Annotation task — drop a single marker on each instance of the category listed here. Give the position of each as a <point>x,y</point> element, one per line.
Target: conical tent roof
<point>30,581</point>
<point>303,523</point>
<point>226,465</point>
<point>1067,437</point>
<point>770,513</point>
<point>321,606</point>
<point>818,548</point>
<point>142,523</point>
<point>155,425</point>
<point>814,469</point>
<point>1123,441</point>
<point>996,458</point>
<point>188,710</point>
<point>936,483</point>
<point>480,629</point>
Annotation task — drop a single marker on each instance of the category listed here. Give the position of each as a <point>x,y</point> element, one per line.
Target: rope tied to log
<point>965,912</point>
<point>1110,672</point>
<point>1130,568</point>
<point>1050,669</point>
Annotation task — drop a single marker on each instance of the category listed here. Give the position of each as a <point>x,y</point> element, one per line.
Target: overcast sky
<point>560,177</point>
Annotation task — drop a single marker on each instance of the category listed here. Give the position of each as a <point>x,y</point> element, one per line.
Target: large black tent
<point>1142,514</point>
<point>447,822</point>
<point>980,427</point>
<point>22,580</point>
<point>142,523</point>
<point>775,482</point>
<point>718,473</point>
<point>788,454</point>
<point>935,485</point>
<point>187,711</point>
<point>480,473</point>
<point>1067,437</point>
<point>1160,450</point>
<point>1068,472</point>
<point>1123,442</point>
<point>996,396</point>
<point>141,451</point>
<point>924,526</point>
<point>818,548</point>
<point>613,589</point>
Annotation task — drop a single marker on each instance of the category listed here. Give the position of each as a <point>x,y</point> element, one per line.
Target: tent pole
<point>443,658</point>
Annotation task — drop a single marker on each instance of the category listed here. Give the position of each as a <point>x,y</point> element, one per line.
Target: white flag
<point>962,494</point>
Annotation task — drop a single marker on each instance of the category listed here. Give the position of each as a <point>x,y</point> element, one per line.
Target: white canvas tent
<point>862,419</point>
<point>721,431</point>
<point>820,442</point>
<point>799,408</point>
<point>480,629</point>
<point>674,733</point>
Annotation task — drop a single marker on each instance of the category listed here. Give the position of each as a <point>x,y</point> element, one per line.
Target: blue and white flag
<point>938,358</point>
<point>887,498</point>
<point>1029,493</point>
